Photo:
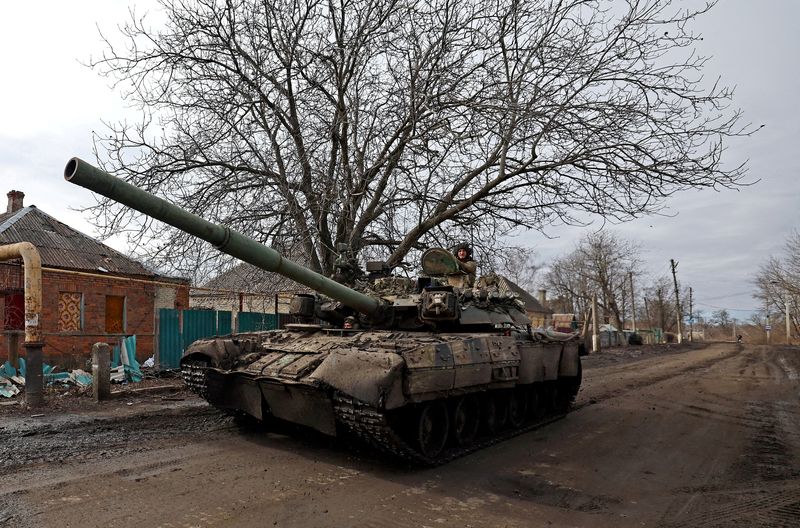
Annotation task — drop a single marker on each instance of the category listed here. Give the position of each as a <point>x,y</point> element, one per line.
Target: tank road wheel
<point>433,426</point>
<point>494,412</point>
<point>574,384</point>
<point>549,395</point>
<point>466,419</point>
<point>566,389</point>
<point>561,400</point>
<point>517,407</point>
<point>537,408</point>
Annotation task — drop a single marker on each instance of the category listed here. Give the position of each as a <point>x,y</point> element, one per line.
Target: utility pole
<point>786,304</point>
<point>586,318</point>
<point>691,317</point>
<point>649,319</point>
<point>788,326</point>
<point>633,303</point>
<point>595,326</point>
<point>677,300</point>
<point>768,326</point>
<point>734,330</point>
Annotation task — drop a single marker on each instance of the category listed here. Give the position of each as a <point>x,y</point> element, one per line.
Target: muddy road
<point>702,438</point>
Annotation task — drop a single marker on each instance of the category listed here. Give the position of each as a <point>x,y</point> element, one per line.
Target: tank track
<point>372,426</point>
<point>194,376</point>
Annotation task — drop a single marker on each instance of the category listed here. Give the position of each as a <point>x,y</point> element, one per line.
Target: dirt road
<point>704,438</point>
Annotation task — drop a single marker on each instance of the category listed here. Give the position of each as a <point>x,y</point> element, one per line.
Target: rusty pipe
<point>32,264</point>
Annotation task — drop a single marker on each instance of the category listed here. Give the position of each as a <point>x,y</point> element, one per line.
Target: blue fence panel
<point>174,337</point>
<point>224,323</point>
<point>257,322</point>
<point>170,342</point>
<point>198,324</point>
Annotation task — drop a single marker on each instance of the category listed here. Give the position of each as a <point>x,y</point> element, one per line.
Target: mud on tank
<point>425,370</point>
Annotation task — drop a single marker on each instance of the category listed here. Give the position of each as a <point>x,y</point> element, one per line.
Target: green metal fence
<point>170,341</point>
<point>257,322</point>
<point>177,329</point>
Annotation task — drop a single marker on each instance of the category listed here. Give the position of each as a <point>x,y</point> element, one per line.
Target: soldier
<point>346,269</point>
<point>465,279</point>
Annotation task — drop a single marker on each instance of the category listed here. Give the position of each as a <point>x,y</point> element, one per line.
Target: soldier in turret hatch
<point>465,279</point>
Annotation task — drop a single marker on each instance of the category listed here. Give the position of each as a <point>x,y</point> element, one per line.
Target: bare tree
<point>398,124</point>
<point>519,264</point>
<point>661,303</point>
<point>778,281</point>
<point>721,318</point>
<point>600,264</point>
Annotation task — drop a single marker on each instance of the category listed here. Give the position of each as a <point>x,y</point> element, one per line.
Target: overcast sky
<point>51,104</point>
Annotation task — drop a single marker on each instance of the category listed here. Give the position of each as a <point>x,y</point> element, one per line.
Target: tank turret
<point>438,300</point>
<point>423,369</point>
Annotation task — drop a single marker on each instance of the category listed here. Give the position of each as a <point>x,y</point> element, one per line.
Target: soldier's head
<point>463,252</point>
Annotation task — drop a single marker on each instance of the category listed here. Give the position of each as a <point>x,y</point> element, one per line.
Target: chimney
<point>15,201</point>
<point>543,298</point>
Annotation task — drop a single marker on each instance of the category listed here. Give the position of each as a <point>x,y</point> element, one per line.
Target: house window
<point>14,311</point>
<point>70,312</point>
<point>115,314</point>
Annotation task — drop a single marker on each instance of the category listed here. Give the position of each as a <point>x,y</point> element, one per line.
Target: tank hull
<point>375,384</point>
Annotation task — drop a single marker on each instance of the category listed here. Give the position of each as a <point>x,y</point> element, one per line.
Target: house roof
<point>531,304</point>
<point>245,277</point>
<point>61,246</point>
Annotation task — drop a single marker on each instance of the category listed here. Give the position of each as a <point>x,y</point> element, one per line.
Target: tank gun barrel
<point>223,238</point>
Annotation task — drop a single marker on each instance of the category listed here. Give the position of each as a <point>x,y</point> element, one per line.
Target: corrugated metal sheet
<point>224,322</point>
<point>5,216</point>
<point>257,322</point>
<point>63,247</point>
<point>170,340</point>
<point>198,324</point>
<point>174,337</point>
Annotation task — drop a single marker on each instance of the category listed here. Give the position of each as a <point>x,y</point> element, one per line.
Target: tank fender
<point>369,377</point>
<point>570,360</point>
<point>221,353</point>
<point>531,363</point>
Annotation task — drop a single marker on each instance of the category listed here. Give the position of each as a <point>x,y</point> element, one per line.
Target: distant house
<point>246,288</point>
<point>539,315</point>
<point>90,292</point>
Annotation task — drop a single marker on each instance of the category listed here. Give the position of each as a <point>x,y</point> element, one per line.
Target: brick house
<point>90,292</point>
<point>538,313</point>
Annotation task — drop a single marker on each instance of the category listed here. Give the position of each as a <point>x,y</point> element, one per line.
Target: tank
<point>424,369</point>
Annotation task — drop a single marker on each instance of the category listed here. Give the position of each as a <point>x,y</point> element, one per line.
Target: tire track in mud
<point>102,438</point>
<point>638,380</point>
<point>770,508</point>
<point>762,487</point>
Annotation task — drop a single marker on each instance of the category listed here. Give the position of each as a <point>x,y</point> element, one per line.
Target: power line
<point>663,272</point>
<point>728,295</point>
<point>729,309</point>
